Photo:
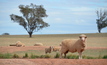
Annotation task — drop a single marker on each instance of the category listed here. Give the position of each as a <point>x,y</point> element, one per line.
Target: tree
<point>102,19</point>
<point>32,18</point>
<point>5,34</point>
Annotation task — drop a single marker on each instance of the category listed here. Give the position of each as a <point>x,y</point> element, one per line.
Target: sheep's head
<point>51,48</point>
<point>83,37</point>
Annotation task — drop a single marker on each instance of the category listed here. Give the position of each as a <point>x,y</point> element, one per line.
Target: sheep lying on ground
<point>71,45</point>
<point>48,50</point>
<point>19,44</point>
<point>56,49</point>
<point>38,44</point>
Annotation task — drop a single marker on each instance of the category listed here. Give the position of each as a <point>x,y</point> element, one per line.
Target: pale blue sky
<point>64,16</point>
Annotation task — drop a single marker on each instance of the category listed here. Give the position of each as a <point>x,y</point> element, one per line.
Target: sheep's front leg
<point>61,55</point>
<point>80,55</point>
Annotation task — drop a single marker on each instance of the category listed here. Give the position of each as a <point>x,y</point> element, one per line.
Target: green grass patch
<point>45,56</point>
<point>70,56</point>
<point>33,56</point>
<point>29,52</point>
<point>95,52</point>
<point>89,52</point>
<point>6,55</point>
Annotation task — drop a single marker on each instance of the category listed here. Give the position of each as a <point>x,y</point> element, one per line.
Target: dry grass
<point>93,40</point>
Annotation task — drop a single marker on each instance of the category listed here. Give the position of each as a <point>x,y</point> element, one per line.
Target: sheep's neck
<point>83,43</point>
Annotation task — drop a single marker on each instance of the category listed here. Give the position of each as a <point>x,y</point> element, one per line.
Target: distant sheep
<point>38,44</point>
<point>56,49</point>
<point>48,50</point>
<point>72,45</point>
<point>20,44</point>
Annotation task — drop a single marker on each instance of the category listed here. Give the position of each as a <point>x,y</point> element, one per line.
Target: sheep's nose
<point>83,39</point>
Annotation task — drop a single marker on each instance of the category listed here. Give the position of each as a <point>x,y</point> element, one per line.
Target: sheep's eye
<point>80,37</point>
<point>85,37</point>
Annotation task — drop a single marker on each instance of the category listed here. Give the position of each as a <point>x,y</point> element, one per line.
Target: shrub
<point>15,56</point>
<point>105,57</point>
<point>26,55</point>
<point>57,55</point>
<point>6,55</point>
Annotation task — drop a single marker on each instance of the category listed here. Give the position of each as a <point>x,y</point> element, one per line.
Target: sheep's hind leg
<point>65,54</point>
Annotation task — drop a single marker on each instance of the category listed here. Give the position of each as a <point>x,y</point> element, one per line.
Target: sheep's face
<point>83,37</point>
<point>51,48</point>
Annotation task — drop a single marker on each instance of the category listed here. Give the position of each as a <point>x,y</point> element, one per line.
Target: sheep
<point>48,50</point>
<point>73,45</point>
<point>56,49</point>
<point>19,44</point>
<point>38,44</point>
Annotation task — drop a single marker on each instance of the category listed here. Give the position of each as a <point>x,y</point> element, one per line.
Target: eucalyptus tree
<point>32,19</point>
<point>102,19</point>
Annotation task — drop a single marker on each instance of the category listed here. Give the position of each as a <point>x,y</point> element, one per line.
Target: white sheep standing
<point>48,50</point>
<point>73,45</point>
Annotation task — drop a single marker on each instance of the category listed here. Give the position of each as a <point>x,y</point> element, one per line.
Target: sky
<point>64,16</point>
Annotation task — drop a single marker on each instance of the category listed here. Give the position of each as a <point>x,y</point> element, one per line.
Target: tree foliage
<point>32,18</point>
<point>102,19</point>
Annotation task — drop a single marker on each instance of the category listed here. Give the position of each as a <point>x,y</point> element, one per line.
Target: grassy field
<point>93,40</point>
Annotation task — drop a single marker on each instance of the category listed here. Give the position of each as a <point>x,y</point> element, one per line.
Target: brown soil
<point>10,49</point>
<point>53,61</point>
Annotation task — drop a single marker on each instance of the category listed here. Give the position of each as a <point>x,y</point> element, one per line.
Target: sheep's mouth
<point>83,40</point>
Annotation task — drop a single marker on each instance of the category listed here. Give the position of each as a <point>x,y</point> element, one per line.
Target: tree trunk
<point>99,30</point>
<point>30,34</point>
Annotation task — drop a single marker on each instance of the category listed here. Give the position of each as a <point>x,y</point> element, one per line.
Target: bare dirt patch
<point>10,49</point>
<point>53,61</point>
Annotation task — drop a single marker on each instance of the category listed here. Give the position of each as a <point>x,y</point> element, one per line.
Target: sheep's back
<point>68,42</point>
